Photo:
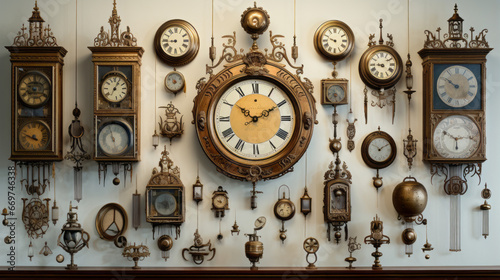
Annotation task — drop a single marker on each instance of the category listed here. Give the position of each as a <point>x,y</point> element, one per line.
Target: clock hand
<point>380,64</point>
<point>244,111</point>
<point>32,137</point>
<point>382,147</point>
<point>454,85</point>
<point>265,113</point>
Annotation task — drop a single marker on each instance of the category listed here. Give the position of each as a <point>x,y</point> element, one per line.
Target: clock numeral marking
<point>282,134</point>
<point>272,145</point>
<point>227,103</point>
<point>269,95</point>
<point>239,146</point>
<point>470,78</point>
<point>170,31</point>
<point>373,69</point>
<point>224,119</point>
<point>255,88</point>
<point>376,73</point>
<point>470,93</point>
<point>255,149</point>
<point>169,50</point>
<point>228,132</point>
<point>286,118</point>
<point>457,71</point>
<point>240,92</point>
<point>282,103</point>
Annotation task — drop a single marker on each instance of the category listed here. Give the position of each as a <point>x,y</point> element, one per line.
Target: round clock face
<point>382,65</point>
<point>457,86</point>
<point>260,222</point>
<point>174,81</point>
<point>176,42</point>
<point>34,135</point>
<point>284,209</point>
<point>165,204</point>
<point>456,137</point>
<point>254,119</point>
<point>335,93</point>
<point>114,87</point>
<point>115,138</point>
<point>334,40</point>
<point>34,89</point>
<point>220,201</point>
<point>378,150</point>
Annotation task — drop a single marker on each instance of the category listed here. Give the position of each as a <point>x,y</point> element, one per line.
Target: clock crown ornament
<point>455,38</point>
<point>117,39</point>
<point>37,35</point>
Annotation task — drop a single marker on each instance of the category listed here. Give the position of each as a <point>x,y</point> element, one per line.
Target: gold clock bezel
<point>193,48</point>
<point>319,46</point>
<point>372,81</point>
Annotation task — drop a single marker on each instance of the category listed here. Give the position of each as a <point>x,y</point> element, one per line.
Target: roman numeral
<point>239,145</point>
<point>224,119</point>
<point>282,134</point>
<point>286,118</point>
<point>227,132</point>
<point>282,103</point>
<point>255,88</point>
<point>255,149</point>
<point>227,103</point>
<point>240,91</point>
<point>269,95</point>
<point>272,145</point>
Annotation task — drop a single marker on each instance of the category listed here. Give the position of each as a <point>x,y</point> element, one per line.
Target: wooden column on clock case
<point>118,57</point>
<point>432,116</point>
<point>50,61</point>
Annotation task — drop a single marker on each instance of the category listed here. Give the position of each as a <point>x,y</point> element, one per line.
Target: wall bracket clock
<point>165,196</point>
<point>380,68</point>
<point>378,151</point>
<point>117,94</point>
<point>220,202</point>
<point>254,92</point>
<point>284,210</point>
<point>454,127</point>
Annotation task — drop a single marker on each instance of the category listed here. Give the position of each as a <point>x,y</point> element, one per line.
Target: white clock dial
<point>175,41</point>
<point>284,210</point>
<point>165,204</point>
<point>382,65</point>
<point>254,119</point>
<point>174,82</point>
<point>457,86</point>
<point>335,40</point>
<point>220,201</point>
<point>379,149</point>
<point>114,138</point>
<point>114,88</point>
<point>456,137</point>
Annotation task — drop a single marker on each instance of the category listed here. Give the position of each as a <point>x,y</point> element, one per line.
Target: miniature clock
<point>334,91</point>
<point>165,196</point>
<point>284,209</point>
<point>36,93</point>
<point>176,42</point>
<point>378,151</point>
<point>117,95</point>
<point>220,202</point>
<point>175,82</point>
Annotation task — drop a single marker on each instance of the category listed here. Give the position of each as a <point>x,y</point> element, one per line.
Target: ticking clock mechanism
<point>284,209</point>
<point>380,68</point>
<point>378,151</point>
<point>36,93</point>
<point>454,98</point>
<point>254,119</point>
<point>117,94</point>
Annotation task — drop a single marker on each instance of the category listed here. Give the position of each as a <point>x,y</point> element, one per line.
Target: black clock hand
<point>380,149</point>
<point>245,112</point>
<point>454,85</point>
<point>265,113</point>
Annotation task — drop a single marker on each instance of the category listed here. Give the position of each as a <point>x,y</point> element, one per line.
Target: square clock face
<point>165,202</point>
<point>457,87</point>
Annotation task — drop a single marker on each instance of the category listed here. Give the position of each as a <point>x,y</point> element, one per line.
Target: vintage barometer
<point>165,197</point>
<point>284,210</point>
<point>378,151</point>
<point>454,98</point>
<point>380,68</point>
<point>117,94</point>
<point>254,119</point>
<point>36,95</point>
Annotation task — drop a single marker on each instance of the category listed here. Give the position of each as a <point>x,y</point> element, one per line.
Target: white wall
<point>144,17</point>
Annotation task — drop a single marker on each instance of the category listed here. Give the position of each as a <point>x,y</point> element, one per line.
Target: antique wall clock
<point>254,119</point>
<point>284,210</point>
<point>220,202</point>
<point>380,68</point>
<point>165,197</point>
<point>378,151</point>
<point>454,83</point>
<point>117,94</point>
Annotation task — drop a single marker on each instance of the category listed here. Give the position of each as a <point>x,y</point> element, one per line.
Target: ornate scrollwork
<point>201,120</point>
<point>125,39</point>
<point>255,64</point>
<point>37,36</point>
<point>229,53</point>
<point>439,170</point>
<point>278,53</point>
<point>336,172</point>
<point>198,250</point>
<point>36,216</point>
<point>475,169</point>
<point>455,38</point>
<point>171,127</point>
<point>168,174</point>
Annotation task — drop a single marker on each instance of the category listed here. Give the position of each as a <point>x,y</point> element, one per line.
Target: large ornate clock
<point>117,94</point>
<point>254,119</point>
<point>454,98</point>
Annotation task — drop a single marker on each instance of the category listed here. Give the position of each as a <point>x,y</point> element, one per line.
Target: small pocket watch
<point>175,82</point>
<point>284,209</point>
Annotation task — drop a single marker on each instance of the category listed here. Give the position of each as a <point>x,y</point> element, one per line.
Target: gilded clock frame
<point>189,55</point>
<point>253,66</point>
<point>432,117</point>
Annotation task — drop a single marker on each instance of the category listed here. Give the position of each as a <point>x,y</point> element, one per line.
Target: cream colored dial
<point>254,119</point>
<point>220,201</point>
<point>114,88</point>
<point>456,137</point>
<point>380,149</point>
<point>34,89</point>
<point>457,86</point>
<point>175,41</point>
<point>382,65</point>
<point>335,40</point>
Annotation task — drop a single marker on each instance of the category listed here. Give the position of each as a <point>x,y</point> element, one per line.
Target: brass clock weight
<point>351,247</point>
<point>377,238</point>
<point>117,94</point>
<point>73,237</point>
<point>254,118</point>
<point>454,98</point>
<point>165,197</point>
<point>485,209</point>
<point>380,68</point>
<point>311,246</point>
<point>284,210</point>
<point>254,249</point>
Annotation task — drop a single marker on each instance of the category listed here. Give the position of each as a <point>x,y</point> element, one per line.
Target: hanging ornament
<point>45,250</point>
<point>485,208</point>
